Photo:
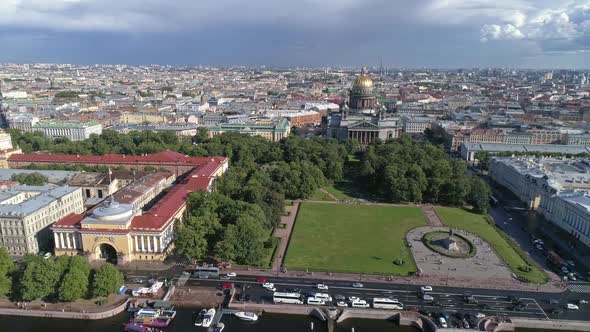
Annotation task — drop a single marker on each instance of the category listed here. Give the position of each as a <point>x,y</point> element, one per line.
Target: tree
<point>38,279</point>
<point>191,238</point>
<point>30,179</point>
<point>479,195</point>
<point>6,263</point>
<point>107,280</point>
<point>74,285</point>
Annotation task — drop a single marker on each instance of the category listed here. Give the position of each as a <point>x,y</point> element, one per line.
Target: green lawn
<point>353,238</point>
<point>477,224</point>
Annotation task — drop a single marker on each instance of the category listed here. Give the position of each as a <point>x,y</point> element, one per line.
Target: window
<point>87,192</point>
<point>100,194</point>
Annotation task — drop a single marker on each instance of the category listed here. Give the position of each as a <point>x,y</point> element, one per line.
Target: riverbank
<point>111,310</point>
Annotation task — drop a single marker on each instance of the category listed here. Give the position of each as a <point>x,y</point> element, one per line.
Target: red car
<point>261,279</point>
<point>227,285</point>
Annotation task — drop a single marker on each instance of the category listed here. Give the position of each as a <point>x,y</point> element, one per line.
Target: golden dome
<point>363,82</point>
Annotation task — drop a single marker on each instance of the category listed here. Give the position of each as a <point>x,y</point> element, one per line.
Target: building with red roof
<point>120,232</point>
<point>173,162</point>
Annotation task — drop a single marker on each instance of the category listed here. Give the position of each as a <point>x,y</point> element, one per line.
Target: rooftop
<point>44,196</point>
<point>64,124</point>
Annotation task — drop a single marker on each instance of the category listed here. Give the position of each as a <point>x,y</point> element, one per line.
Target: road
<point>449,299</point>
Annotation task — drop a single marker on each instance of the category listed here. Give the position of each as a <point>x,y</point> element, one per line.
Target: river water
<point>184,322</point>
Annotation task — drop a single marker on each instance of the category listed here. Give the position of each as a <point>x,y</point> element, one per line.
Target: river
<point>184,323</point>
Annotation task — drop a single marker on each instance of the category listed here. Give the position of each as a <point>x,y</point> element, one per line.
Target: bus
<point>205,272</point>
<point>290,298</point>
<point>385,303</point>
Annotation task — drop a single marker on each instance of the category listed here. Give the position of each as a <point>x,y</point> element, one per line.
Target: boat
<point>131,327</point>
<point>152,318</point>
<point>168,313</point>
<point>217,327</point>
<point>152,321</point>
<point>247,316</point>
<point>208,317</point>
<point>200,316</point>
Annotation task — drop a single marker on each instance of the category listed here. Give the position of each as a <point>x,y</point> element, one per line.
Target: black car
<point>339,297</point>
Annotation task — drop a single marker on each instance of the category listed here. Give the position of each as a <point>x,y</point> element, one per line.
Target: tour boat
<point>208,317</point>
<point>152,318</point>
<point>247,316</point>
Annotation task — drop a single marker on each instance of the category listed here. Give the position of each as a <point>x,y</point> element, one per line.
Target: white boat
<point>245,315</point>
<point>208,317</point>
<point>199,321</point>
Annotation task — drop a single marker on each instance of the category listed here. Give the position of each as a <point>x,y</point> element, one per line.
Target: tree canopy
<point>30,179</point>
<point>106,280</point>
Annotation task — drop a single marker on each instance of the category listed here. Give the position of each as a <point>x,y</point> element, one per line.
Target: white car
<point>341,304</point>
<point>231,274</point>
<point>425,289</point>
<point>443,322</point>
<point>358,285</point>
<point>583,301</point>
<point>359,304</point>
<point>572,306</point>
<point>428,298</point>
<point>539,247</point>
<point>479,315</point>
<point>353,298</point>
<point>269,286</point>
<point>322,286</point>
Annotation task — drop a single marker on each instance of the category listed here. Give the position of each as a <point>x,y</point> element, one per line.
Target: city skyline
<point>432,34</point>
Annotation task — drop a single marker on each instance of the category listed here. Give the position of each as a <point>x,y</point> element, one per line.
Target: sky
<point>398,33</point>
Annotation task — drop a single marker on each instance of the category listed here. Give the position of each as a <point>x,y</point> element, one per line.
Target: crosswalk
<point>579,288</point>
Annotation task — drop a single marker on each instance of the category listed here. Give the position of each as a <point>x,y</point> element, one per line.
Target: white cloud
<point>494,31</point>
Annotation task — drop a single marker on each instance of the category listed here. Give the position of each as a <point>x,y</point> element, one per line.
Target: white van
<point>315,301</point>
<point>324,296</point>
<point>359,304</point>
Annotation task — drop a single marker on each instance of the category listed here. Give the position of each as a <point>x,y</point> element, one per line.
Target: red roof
<point>162,213</point>
<point>164,157</point>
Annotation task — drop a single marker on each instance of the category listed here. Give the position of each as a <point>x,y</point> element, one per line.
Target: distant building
<point>26,212</point>
<point>469,150</point>
<point>177,129</point>
<point>74,131</point>
<point>476,136</point>
<point>416,125</point>
<point>5,141</point>
<point>297,118</point>
<point>272,130</point>
<point>580,139</point>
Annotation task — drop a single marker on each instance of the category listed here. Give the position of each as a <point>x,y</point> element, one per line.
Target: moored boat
<point>217,327</point>
<point>208,317</point>
<point>247,316</point>
<point>200,316</point>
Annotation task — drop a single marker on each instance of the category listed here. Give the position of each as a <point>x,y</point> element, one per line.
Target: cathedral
<point>363,119</point>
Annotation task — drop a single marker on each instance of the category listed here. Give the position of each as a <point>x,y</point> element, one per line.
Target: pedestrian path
<point>579,288</point>
<point>431,216</point>
<point>284,234</point>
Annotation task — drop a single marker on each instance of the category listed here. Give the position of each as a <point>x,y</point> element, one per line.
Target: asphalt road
<point>449,299</point>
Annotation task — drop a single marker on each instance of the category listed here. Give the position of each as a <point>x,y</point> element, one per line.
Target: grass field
<point>353,238</point>
<point>320,196</point>
<point>477,224</point>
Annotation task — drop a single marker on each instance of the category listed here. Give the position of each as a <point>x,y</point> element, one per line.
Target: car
<point>240,297</point>
<point>470,299</point>
<point>442,322</point>
<point>359,304</point>
<point>227,285</point>
<point>518,307</point>
<point>358,285</point>
<point>47,255</point>
<point>571,276</point>
<point>231,274</point>
<point>261,279</point>
<point>271,289</point>
<point>341,304</point>
<point>268,285</point>
<point>571,306</point>
<point>353,298</point>
<point>570,263</point>
<point>224,278</point>
<point>322,286</point>
<point>427,298</point>
<point>582,301</point>
<point>186,273</point>
<point>539,247</point>
<point>513,299</point>
<point>339,297</point>
<point>553,301</point>
<point>445,315</point>
<point>539,241</point>
<point>479,315</point>
<point>425,289</point>
<point>565,270</point>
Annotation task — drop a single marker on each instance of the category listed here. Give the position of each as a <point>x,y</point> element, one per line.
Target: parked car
<point>479,315</point>
<point>570,263</point>
<point>322,286</point>
<point>572,306</point>
<point>261,279</point>
<point>539,247</point>
<point>231,274</point>
<point>224,277</point>
<point>465,323</point>
<point>227,285</point>
<point>582,301</point>
<point>341,304</point>
<point>268,285</point>
<point>357,285</point>
<point>442,322</point>
<point>353,298</point>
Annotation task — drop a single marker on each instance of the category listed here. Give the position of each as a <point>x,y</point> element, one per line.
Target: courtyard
<point>365,239</point>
